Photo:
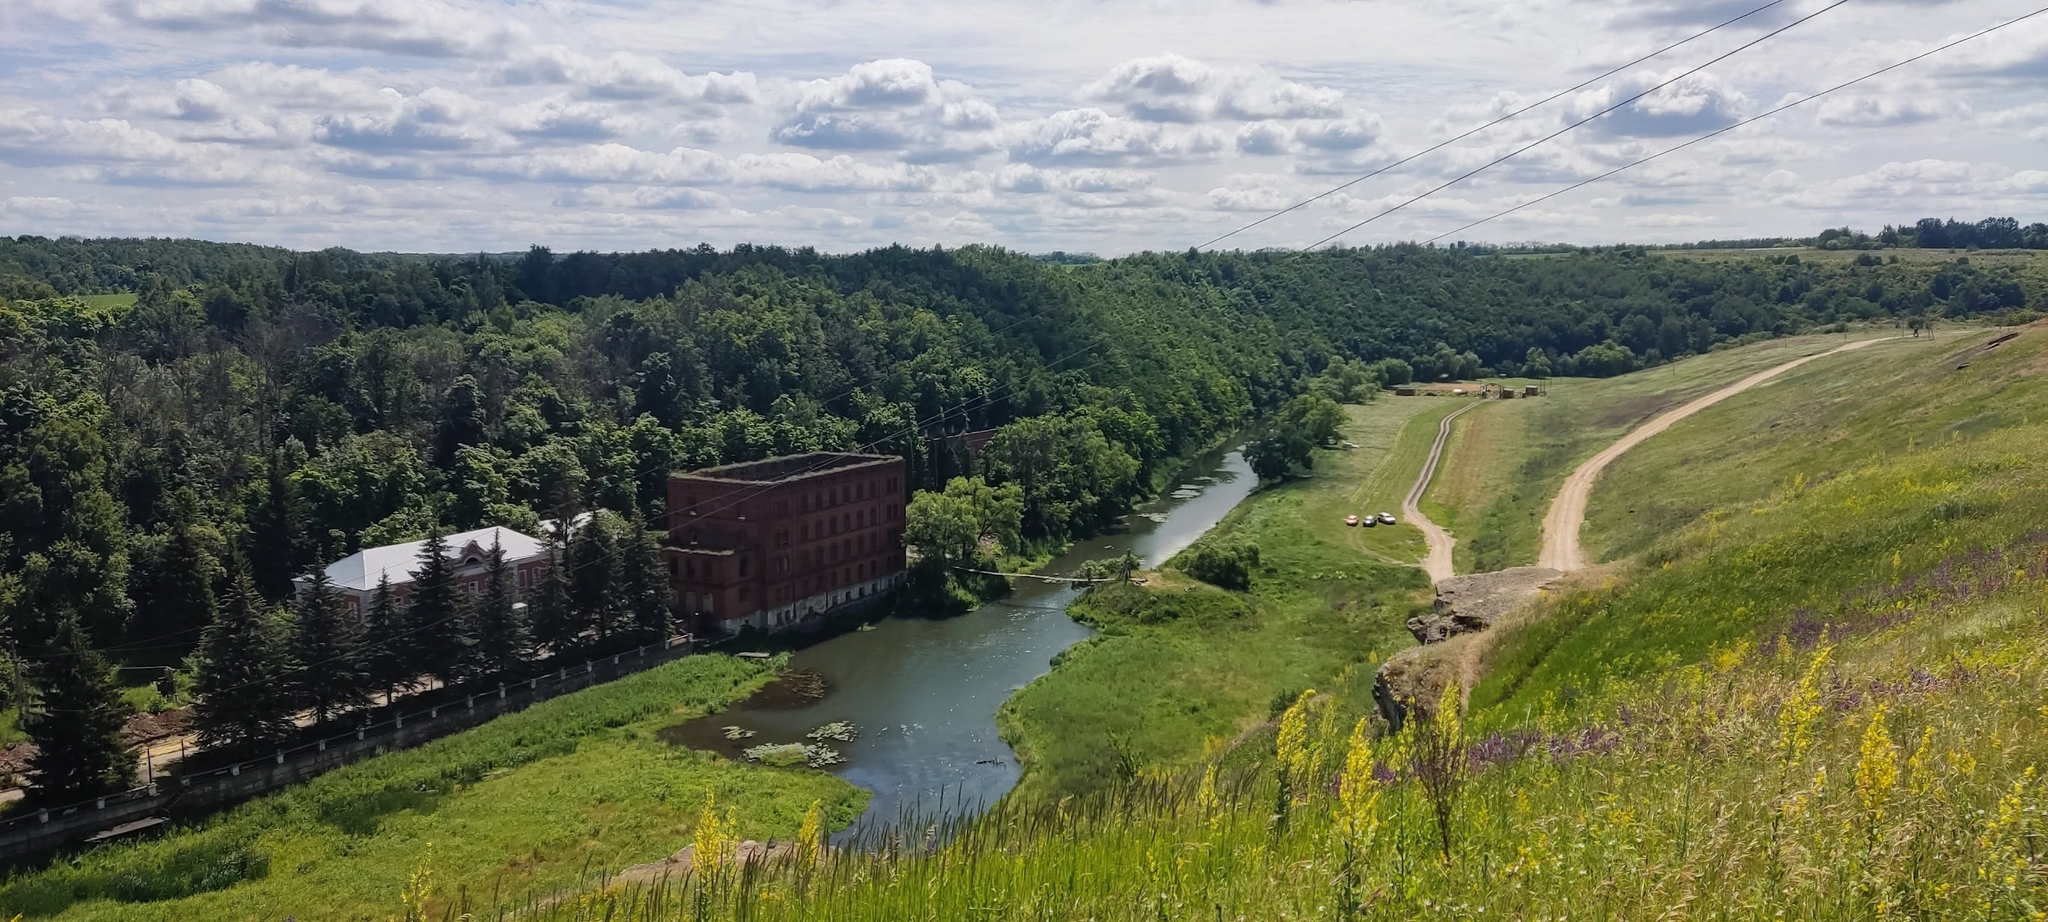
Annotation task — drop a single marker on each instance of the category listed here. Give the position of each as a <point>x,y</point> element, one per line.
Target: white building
<point>356,576</point>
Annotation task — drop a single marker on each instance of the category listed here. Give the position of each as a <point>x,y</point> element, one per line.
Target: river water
<point>923,693</point>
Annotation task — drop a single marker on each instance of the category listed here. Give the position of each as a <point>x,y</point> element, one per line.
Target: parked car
<point>1386,518</point>
<point>1369,521</point>
<point>1351,520</point>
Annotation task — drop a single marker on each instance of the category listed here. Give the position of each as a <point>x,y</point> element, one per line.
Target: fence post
<point>615,659</point>
<point>43,815</point>
<point>235,769</point>
<point>472,702</point>
<point>280,757</point>
<point>323,746</point>
<point>586,667</point>
<point>397,721</point>
<point>501,691</point>
<point>99,803</point>
<point>433,712</point>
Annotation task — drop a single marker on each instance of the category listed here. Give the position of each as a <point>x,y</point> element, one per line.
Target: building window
<point>744,593</point>
<point>743,568</point>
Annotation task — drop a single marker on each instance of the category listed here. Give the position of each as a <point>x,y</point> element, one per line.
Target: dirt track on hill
<point>1437,563</point>
<point>1567,513</point>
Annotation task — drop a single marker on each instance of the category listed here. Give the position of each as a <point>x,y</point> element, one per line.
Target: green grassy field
<point>1508,458</point>
<point>118,300</point>
<point>1189,683</point>
<point>530,803</point>
<point>1836,711</point>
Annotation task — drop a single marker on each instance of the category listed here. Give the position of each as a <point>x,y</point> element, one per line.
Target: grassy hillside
<point>530,803</point>
<point>1167,684</point>
<point>1825,698</point>
<point>1509,457</point>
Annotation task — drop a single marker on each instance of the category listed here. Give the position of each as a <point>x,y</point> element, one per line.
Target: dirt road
<point>1567,513</point>
<point>1438,561</point>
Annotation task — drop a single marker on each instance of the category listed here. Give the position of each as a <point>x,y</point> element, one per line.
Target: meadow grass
<point>119,299</point>
<point>1493,499</point>
<point>1168,688</point>
<point>530,803</point>
<point>1813,423</point>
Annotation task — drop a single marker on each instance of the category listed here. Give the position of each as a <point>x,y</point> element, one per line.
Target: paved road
<point>1438,561</point>
<point>1567,514</point>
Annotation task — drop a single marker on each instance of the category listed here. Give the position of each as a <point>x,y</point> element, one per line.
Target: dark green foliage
<point>331,676</point>
<point>554,625</point>
<point>1229,564</point>
<point>1113,607</point>
<point>174,582</point>
<point>77,735</point>
<point>500,635</point>
<point>643,587</point>
<point>386,642</point>
<point>438,637</point>
<point>277,528</point>
<point>243,694</point>
<point>1277,455</point>
<point>595,592</point>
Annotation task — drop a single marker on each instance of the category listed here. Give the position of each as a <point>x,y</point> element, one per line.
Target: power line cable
<point>1754,118</point>
<point>1511,115</point>
<point>1561,131</point>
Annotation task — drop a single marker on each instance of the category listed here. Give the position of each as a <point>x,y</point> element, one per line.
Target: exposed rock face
<point>1469,604</point>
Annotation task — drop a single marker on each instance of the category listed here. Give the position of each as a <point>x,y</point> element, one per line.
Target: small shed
<point>1507,393</point>
<point>1404,391</point>
<point>1531,390</point>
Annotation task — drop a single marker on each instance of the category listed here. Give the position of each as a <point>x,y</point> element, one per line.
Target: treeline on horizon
<point>1926,233</point>
<point>283,409</point>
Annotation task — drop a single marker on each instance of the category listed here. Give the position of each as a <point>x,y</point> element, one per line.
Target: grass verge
<point>527,804</point>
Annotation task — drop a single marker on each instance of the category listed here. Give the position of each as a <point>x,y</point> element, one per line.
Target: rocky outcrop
<point>1469,604</point>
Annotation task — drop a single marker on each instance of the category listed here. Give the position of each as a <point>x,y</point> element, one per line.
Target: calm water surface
<point>924,693</point>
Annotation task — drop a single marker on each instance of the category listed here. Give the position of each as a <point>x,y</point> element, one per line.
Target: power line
<point>1446,143</point>
<point>1754,118</point>
<point>1561,131</point>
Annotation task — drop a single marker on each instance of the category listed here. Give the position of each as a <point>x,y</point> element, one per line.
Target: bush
<point>1225,564</point>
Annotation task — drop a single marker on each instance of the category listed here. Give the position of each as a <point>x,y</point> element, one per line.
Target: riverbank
<point>1181,670</point>
<point>530,803</point>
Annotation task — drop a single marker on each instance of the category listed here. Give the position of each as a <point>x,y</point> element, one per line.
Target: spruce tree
<point>385,643</point>
<point>593,565</point>
<point>555,627</point>
<point>277,531</point>
<point>436,617</point>
<point>493,623</point>
<point>243,702</point>
<point>644,588</point>
<point>330,678</point>
<point>175,585</point>
<point>79,753</point>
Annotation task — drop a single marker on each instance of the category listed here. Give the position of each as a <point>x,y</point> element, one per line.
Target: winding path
<point>1438,561</point>
<point>1567,515</point>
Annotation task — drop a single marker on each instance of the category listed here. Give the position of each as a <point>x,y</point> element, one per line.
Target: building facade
<point>775,544</point>
<point>356,576</point>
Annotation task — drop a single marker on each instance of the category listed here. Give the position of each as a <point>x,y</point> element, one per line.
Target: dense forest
<point>1926,233</point>
<point>186,426</point>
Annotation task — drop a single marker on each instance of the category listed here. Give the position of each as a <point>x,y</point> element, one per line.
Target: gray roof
<point>363,569</point>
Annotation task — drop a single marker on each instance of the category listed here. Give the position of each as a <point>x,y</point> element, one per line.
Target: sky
<point>1097,126</point>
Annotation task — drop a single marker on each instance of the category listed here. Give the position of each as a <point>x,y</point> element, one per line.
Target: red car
<point>1351,520</point>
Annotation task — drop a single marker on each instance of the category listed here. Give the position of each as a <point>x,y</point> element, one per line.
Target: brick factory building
<point>773,544</point>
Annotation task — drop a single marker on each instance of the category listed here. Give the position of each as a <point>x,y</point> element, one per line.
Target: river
<point>923,693</point>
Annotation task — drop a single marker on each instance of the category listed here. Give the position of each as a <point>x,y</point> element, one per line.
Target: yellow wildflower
<point>713,837</point>
<point>1293,746</point>
<point>1877,770</point>
<point>1360,793</point>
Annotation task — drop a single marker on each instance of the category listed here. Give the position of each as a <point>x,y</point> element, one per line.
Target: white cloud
<point>1094,136</point>
<point>1877,111</point>
<point>427,28</point>
<point>623,75</point>
<point>1172,88</point>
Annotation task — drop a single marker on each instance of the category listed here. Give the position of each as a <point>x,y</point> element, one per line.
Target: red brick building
<point>776,543</point>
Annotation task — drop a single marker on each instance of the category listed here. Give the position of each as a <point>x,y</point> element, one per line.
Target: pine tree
<point>644,587</point>
<point>175,585</point>
<point>243,702</point>
<point>435,620</point>
<point>555,626</point>
<point>593,564</point>
<point>385,642</point>
<point>495,625</point>
<point>330,678</point>
<point>277,531</point>
<point>78,740</point>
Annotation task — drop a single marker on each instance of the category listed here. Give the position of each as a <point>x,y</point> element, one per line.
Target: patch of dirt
<point>144,728</point>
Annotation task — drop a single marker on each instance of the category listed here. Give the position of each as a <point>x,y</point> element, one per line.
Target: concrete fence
<point>38,831</point>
